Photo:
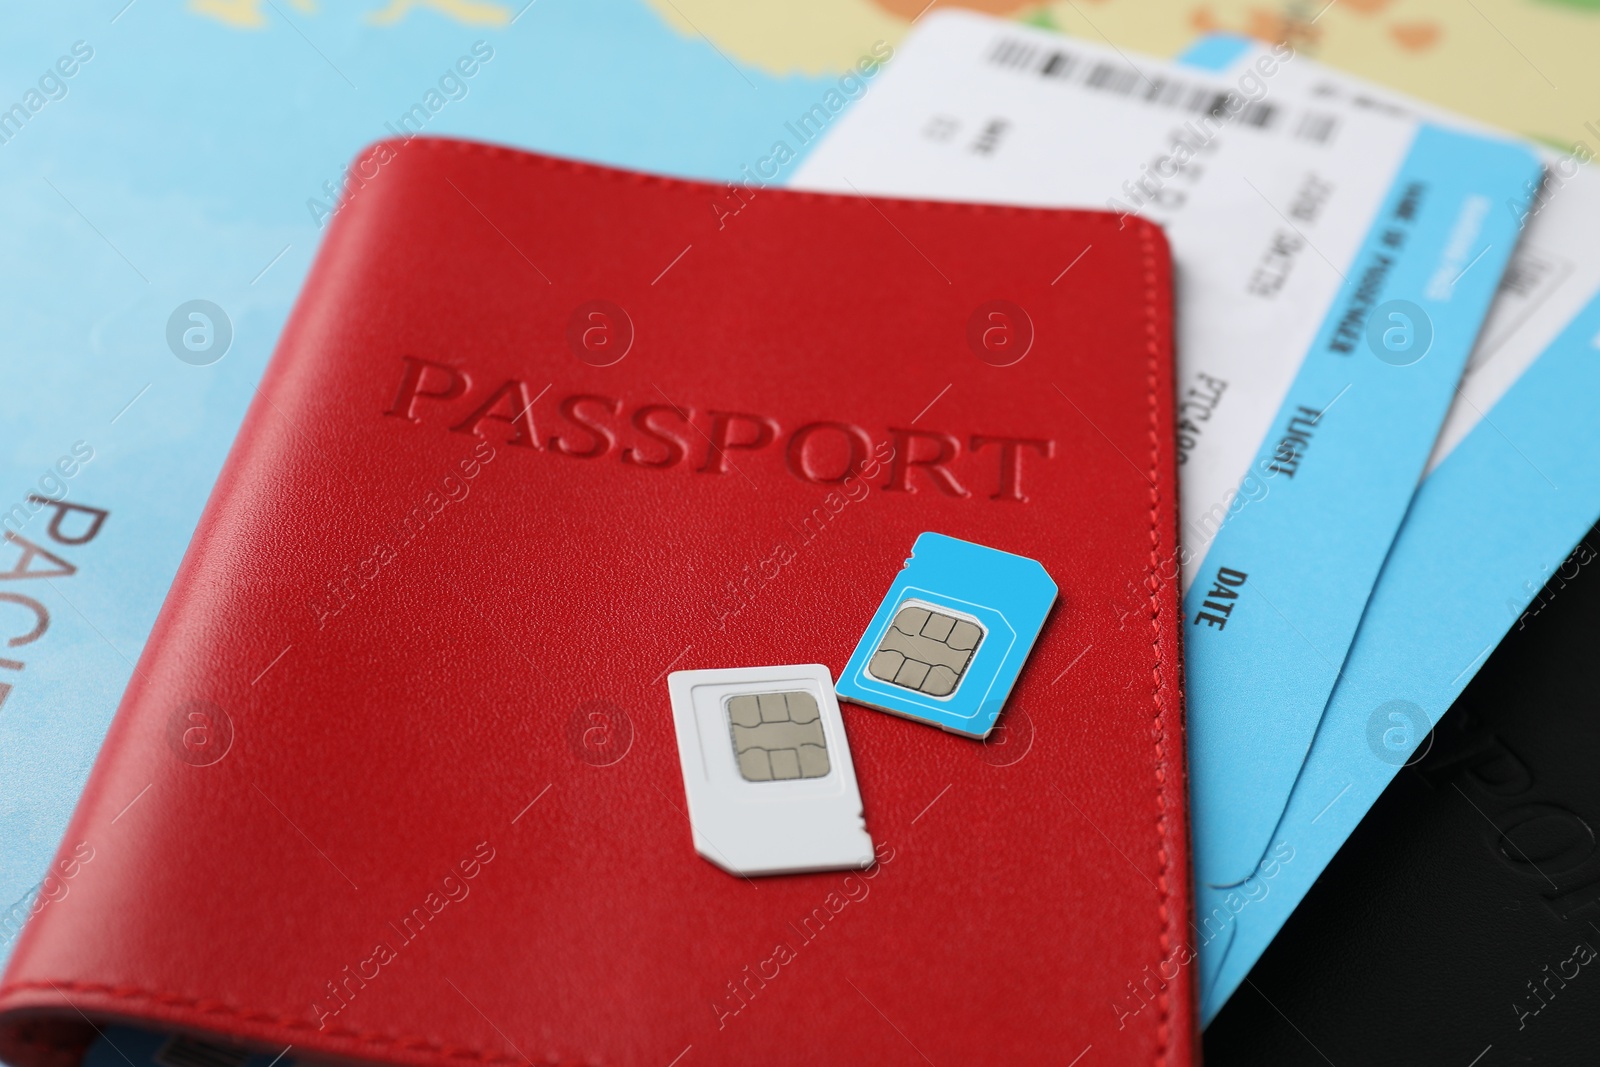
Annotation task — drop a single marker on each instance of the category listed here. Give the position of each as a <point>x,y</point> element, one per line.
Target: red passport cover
<point>395,778</point>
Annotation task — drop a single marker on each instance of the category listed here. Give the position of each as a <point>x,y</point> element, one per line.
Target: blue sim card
<point>950,638</point>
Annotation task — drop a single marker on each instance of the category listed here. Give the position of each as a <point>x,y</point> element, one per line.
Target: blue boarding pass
<point>1512,485</point>
<point>1334,266</point>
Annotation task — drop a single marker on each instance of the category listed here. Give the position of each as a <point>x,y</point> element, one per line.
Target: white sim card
<point>767,771</point>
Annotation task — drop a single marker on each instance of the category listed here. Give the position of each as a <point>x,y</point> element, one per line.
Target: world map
<point>1492,60</point>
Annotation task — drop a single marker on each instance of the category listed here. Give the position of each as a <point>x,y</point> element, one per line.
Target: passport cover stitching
<point>215,1007</point>
<point>1163,911</point>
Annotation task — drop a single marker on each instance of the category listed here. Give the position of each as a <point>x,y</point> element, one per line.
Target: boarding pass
<point>1333,265</point>
<point>1512,486</point>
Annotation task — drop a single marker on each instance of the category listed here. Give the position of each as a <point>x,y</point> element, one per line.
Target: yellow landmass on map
<point>809,37</point>
<point>1525,65</point>
<point>251,14</point>
<point>467,12</point>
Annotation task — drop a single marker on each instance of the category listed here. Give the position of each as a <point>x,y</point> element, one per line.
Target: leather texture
<point>1460,922</point>
<point>395,778</point>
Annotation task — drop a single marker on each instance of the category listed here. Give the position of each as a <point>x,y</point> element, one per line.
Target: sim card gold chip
<point>925,651</point>
<point>777,736</point>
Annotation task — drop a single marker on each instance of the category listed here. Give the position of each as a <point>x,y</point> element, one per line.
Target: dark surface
<point>1476,870</point>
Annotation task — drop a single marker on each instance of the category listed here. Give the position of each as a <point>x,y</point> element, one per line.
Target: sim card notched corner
<point>767,770</point>
<point>949,640</point>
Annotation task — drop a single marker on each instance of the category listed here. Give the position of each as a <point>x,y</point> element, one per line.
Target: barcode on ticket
<point>1123,79</point>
